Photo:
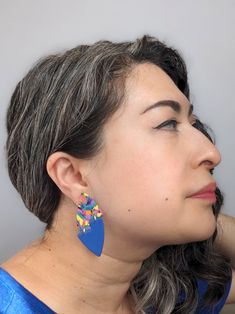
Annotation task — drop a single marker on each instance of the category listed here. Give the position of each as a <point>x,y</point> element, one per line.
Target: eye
<point>169,124</point>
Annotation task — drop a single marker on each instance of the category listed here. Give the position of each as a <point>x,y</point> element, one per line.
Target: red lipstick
<point>206,193</point>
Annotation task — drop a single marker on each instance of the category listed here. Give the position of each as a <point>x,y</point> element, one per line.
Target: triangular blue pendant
<point>93,239</point>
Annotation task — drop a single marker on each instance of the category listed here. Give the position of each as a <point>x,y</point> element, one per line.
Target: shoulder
<point>6,293</point>
<point>14,298</point>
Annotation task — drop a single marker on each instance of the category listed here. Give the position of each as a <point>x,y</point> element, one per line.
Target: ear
<point>68,173</point>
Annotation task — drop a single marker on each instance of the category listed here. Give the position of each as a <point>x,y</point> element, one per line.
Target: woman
<point>103,147</point>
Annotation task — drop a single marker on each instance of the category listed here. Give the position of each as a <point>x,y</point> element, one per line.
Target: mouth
<point>206,196</point>
<point>206,193</point>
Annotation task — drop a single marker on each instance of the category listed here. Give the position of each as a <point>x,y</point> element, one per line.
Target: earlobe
<point>67,173</point>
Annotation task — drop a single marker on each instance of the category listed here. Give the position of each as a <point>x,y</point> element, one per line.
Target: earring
<point>90,223</point>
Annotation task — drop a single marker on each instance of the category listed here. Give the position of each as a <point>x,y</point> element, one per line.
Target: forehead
<point>148,83</point>
<point>145,85</point>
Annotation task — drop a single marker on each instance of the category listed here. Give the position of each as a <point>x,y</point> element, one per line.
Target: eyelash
<point>173,123</point>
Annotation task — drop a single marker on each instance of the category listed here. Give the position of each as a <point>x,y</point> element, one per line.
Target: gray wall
<point>203,30</point>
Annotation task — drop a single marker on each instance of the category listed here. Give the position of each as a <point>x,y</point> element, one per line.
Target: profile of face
<point>152,162</point>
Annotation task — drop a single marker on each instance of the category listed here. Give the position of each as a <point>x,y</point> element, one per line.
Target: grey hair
<point>62,104</point>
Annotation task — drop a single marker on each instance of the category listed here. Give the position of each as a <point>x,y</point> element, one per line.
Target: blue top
<point>14,298</point>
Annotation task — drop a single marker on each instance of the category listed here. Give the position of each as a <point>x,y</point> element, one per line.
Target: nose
<point>207,154</point>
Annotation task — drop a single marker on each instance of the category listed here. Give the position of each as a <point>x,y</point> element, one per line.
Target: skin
<point>142,180</point>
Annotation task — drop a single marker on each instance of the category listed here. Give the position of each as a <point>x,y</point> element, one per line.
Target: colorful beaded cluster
<point>88,211</point>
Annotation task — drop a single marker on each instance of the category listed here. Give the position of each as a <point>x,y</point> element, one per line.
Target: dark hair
<point>62,104</point>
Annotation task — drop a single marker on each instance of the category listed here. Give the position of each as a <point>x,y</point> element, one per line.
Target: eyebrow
<point>175,105</point>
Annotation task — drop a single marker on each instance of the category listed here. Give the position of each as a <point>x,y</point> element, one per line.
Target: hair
<point>62,104</point>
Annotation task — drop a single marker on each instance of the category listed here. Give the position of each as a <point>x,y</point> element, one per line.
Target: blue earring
<point>90,223</point>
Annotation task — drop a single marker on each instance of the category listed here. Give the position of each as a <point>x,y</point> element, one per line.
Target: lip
<point>206,193</point>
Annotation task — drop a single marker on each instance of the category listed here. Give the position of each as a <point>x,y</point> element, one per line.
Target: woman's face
<point>146,173</point>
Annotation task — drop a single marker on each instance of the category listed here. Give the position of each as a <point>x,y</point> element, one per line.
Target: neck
<point>66,276</point>
<point>99,283</point>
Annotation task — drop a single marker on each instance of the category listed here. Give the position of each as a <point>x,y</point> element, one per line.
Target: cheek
<point>140,191</point>
<point>149,175</point>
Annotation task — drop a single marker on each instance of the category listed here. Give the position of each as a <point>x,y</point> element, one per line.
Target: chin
<point>205,229</point>
<point>200,229</point>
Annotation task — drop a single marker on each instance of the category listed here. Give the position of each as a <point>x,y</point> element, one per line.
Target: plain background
<point>203,31</point>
